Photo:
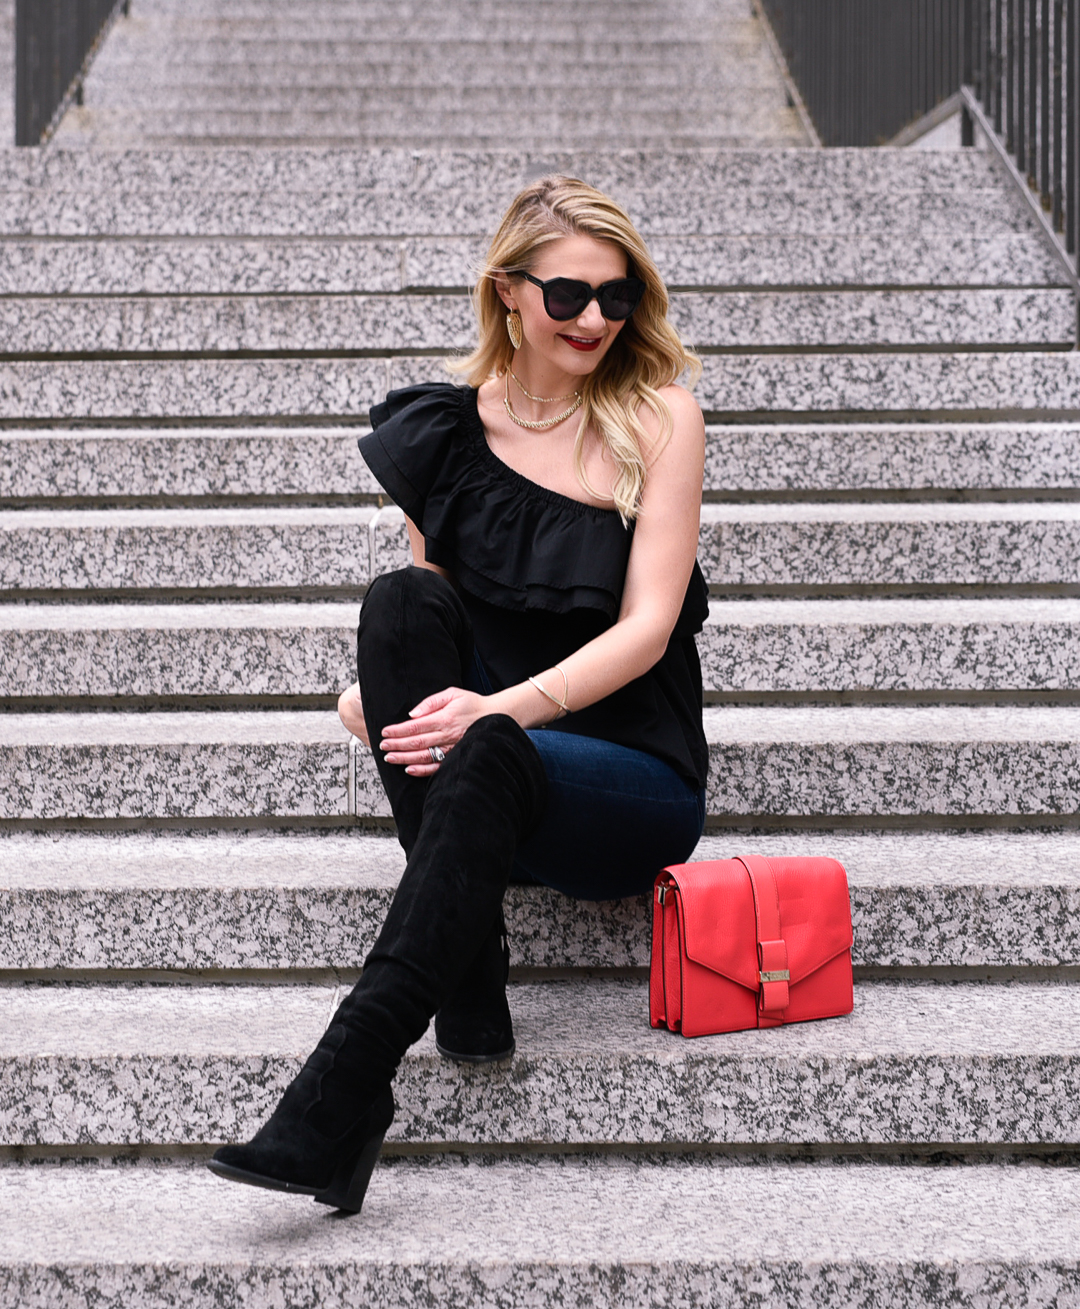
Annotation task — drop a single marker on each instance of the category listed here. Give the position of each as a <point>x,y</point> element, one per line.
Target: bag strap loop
<point>773,972</point>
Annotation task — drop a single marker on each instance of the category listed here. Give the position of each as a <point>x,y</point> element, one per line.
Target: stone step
<point>964,387</point>
<point>858,764</point>
<point>62,653</point>
<point>392,67</point>
<point>335,170</point>
<point>560,1230</point>
<point>909,545</point>
<point>953,1062</point>
<point>166,38</point>
<point>735,320</point>
<point>359,87</point>
<point>337,265</point>
<point>228,550</point>
<point>703,123</point>
<point>687,209</point>
<point>90,902</point>
<point>157,32</point>
<point>311,463</point>
<point>314,551</point>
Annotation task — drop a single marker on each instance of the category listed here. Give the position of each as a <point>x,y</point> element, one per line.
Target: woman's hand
<point>439,721</point>
<point>351,712</point>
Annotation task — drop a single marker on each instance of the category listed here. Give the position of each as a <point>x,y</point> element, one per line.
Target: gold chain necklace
<point>543,423</point>
<point>539,399</point>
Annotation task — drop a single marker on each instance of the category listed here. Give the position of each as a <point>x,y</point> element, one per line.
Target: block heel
<point>349,1186</point>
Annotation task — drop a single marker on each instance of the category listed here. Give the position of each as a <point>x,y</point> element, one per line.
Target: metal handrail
<point>865,69</point>
<point>1022,87</point>
<point>55,41</point>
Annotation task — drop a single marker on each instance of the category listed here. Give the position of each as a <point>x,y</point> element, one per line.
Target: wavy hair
<point>646,355</point>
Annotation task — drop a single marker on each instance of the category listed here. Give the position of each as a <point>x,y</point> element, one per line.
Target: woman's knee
<point>389,590</point>
<point>410,600</point>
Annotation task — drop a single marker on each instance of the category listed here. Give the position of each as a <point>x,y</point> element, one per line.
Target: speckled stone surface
<point>1005,384</point>
<point>294,649</point>
<point>188,649</point>
<point>1002,383</point>
<point>913,1063</point>
<point>120,464</point>
<point>327,550</point>
<point>781,761</point>
<point>265,900</point>
<point>319,461</point>
<point>935,543</point>
<point>229,549</point>
<point>681,210</point>
<point>173,765</point>
<point>891,645</point>
<point>278,389</point>
<point>744,320</point>
<point>164,267</point>
<point>549,1232</point>
<point>405,94</point>
<point>902,761</point>
<point>886,456</point>
<point>262,325</point>
<point>144,47</point>
<point>342,171</point>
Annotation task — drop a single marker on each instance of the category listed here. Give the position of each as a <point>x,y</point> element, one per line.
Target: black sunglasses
<point>566,298</point>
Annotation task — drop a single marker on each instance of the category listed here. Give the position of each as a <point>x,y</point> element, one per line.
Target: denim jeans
<point>614,816</point>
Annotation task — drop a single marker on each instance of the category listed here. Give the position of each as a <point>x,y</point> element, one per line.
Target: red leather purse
<point>750,942</point>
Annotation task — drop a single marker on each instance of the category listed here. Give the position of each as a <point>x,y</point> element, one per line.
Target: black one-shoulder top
<point>539,573</point>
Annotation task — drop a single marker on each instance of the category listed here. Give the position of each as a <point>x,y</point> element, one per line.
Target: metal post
<point>967,68</point>
<point>1021,83</point>
<point>1044,105</point>
<point>1033,96</point>
<point>1058,110</point>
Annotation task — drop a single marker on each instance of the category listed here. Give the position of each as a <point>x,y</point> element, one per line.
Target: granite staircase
<point>193,861</point>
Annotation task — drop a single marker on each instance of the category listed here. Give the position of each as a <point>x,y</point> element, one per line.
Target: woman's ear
<point>502,285</point>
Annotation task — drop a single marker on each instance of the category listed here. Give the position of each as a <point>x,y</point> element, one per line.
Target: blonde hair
<point>646,355</point>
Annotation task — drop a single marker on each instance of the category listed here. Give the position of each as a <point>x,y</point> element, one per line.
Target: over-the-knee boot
<point>324,1136</point>
<point>415,638</point>
<point>474,1025</point>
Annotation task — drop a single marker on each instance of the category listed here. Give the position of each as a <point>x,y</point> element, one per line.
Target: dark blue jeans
<point>614,816</point>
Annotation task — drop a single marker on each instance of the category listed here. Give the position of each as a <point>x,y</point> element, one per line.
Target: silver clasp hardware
<point>661,894</point>
<point>777,975</point>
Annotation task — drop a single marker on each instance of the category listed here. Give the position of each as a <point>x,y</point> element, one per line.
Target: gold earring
<point>513,328</point>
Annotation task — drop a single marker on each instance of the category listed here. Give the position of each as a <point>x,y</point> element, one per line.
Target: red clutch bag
<point>750,942</point>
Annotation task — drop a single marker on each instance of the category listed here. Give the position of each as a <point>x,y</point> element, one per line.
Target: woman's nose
<point>590,318</point>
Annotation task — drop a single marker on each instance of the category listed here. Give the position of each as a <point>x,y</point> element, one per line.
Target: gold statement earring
<point>513,328</point>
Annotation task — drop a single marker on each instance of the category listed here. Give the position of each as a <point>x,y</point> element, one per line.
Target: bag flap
<point>720,930</point>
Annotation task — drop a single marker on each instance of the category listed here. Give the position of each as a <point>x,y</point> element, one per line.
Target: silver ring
<point>437,754</point>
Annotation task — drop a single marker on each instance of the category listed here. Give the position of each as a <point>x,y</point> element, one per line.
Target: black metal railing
<point>54,43</point>
<point>1022,86</point>
<point>867,68</point>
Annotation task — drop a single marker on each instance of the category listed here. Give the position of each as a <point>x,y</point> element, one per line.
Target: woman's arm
<point>661,559</point>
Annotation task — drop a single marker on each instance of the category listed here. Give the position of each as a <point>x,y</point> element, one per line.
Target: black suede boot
<point>473,1026</point>
<point>324,1136</point>
<point>414,639</point>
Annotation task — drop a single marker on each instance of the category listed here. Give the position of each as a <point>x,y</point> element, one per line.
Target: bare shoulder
<point>687,435</point>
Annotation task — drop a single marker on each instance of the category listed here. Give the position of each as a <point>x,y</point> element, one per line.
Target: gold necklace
<point>543,423</point>
<point>539,399</point>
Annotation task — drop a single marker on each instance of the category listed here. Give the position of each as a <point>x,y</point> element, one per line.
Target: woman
<point>531,686</point>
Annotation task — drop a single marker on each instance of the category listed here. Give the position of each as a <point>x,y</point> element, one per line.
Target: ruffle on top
<point>508,541</point>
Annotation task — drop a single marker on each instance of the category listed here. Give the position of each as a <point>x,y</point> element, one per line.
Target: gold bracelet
<point>560,705</point>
